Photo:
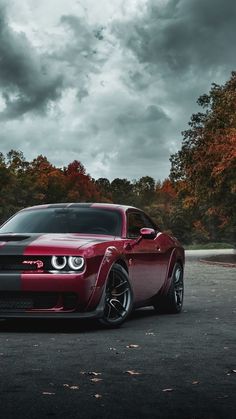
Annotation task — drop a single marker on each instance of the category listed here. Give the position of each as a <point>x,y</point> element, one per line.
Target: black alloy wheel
<point>118,299</point>
<point>172,302</point>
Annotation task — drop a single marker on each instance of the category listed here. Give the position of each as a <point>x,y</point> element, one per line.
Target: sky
<point>109,83</point>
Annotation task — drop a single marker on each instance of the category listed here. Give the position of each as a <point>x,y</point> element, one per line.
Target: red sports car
<point>87,261</point>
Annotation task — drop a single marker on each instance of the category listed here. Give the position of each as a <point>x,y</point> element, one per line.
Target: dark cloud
<point>137,116</point>
<point>183,35</point>
<point>177,49</point>
<point>82,54</point>
<point>27,81</point>
<point>85,35</point>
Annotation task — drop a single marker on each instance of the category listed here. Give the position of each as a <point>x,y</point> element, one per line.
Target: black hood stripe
<point>10,282</point>
<point>17,247</point>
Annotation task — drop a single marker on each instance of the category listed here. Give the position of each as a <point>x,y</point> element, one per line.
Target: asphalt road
<point>170,366</point>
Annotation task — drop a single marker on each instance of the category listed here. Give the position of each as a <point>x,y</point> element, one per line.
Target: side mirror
<point>147,233</point>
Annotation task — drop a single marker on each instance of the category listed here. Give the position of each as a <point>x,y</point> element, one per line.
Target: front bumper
<point>42,295</point>
<point>56,314</point>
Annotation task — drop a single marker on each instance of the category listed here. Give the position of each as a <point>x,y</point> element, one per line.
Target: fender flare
<point>174,258</point>
<point>111,256</point>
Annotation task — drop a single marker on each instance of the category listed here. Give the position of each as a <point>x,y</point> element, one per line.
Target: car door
<point>147,261</point>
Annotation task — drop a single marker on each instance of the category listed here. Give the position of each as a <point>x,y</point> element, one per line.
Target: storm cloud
<point>183,35</point>
<point>111,84</point>
<point>28,82</point>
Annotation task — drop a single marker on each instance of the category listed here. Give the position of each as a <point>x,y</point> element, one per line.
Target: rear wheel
<point>118,299</point>
<point>172,302</point>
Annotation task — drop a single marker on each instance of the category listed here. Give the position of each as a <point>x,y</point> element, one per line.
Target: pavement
<point>155,366</point>
<point>223,257</point>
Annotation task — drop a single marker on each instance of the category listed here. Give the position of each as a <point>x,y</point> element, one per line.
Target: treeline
<point>26,183</point>
<point>197,203</point>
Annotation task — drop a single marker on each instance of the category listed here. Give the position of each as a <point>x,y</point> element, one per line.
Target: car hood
<point>48,243</point>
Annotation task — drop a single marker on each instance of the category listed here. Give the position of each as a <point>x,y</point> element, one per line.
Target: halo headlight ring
<point>76,262</point>
<point>58,262</point>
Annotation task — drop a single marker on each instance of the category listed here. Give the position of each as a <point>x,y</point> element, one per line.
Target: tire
<point>118,299</point>
<point>172,302</point>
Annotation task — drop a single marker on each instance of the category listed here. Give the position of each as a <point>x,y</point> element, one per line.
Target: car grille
<point>27,300</point>
<point>23,300</point>
<point>15,263</point>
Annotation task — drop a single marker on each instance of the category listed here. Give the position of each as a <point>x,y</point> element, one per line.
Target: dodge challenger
<point>96,260</point>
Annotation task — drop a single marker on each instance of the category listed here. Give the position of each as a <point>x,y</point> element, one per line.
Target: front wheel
<point>118,299</point>
<point>172,302</point>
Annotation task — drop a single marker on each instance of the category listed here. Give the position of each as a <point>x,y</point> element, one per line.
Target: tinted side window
<point>136,221</point>
<point>149,223</point>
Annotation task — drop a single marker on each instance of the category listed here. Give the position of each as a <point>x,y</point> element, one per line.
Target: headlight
<point>76,262</point>
<point>58,262</point>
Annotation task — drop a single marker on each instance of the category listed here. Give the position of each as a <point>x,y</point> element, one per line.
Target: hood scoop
<point>13,238</point>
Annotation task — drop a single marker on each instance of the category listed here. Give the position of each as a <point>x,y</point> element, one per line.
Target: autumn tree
<point>104,187</point>
<point>47,181</point>
<point>204,170</point>
<point>5,187</point>
<point>122,192</point>
<point>24,183</point>
<point>79,185</point>
<point>15,187</point>
<point>144,189</point>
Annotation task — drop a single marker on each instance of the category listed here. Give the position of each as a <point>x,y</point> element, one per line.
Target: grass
<point>206,246</point>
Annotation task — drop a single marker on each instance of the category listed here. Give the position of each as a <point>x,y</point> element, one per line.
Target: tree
<point>104,187</point>
<point>5,189</point>
<point>204,170</point>
<point>79,185</point>
<point>122,192</point>
<point>47,181</point>
<point>144,189</point>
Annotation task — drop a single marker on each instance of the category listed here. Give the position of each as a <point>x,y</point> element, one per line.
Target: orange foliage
<point>168,188</point>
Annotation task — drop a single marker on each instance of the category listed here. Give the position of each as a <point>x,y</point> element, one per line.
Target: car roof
<point>83,205</point>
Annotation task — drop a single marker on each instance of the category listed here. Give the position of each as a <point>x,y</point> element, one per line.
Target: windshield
<point>65,220</point>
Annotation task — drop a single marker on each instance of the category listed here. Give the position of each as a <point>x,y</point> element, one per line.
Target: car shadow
<point>66,325</point>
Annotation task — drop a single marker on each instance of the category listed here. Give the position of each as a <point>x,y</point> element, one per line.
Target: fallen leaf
<point>132,346</point>
<point>98,396</point>
<point>167,390</point>
<point>195,382</point>
<point>90,373</point>
<point>95,380</point>
<point>132,372</point>
<point>94,373</point>
<point>47,393</point>
<point>71,387</point>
